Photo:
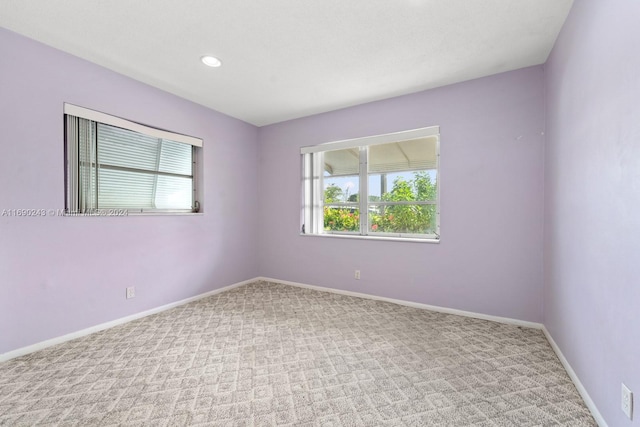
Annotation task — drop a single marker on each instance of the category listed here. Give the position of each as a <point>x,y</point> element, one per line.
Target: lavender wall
<point>59,275</point>
<point>490,256</point>
<point>592,203</point>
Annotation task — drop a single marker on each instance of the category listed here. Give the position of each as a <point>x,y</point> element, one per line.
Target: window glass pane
<point>128,165</point>
<point>403,186</point>
<point>403,170</point>
<point>341,175</point>
<point>174,193</point>
<point>341,189</point>
<point>412,154</point>
<point>175,157</point>
<point>125,148</point>
<point>125,189</point>
<point>341,218</point>
<point>342,162</point>
<point>402,219</point>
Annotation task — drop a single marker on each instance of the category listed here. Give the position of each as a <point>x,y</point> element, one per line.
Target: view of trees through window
<point>403,208</point>
<point>385,186</point>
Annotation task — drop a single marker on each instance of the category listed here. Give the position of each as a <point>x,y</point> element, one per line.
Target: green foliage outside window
<point>409,218</point>
<point>332,194</point>
<point>341,219</point>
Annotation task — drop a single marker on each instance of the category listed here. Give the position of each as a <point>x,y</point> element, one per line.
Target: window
<point>379,186</point>
<point>112,163</point>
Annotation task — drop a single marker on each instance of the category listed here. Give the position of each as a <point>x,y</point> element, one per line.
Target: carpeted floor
<point>268,354</point>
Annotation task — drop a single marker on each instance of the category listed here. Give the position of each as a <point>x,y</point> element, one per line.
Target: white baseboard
<point>576,381</point>
<point>68,337</point>
<point>498,319</point>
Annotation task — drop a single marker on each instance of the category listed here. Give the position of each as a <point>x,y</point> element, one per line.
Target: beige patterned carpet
<point>268,354</point>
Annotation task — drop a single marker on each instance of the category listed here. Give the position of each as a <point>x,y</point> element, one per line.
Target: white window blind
<point>110,167</point>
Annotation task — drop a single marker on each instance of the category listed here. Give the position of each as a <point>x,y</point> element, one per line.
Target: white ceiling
<point>284,59</point>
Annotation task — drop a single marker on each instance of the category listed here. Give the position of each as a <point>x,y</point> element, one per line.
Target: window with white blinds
<point>116,164</point>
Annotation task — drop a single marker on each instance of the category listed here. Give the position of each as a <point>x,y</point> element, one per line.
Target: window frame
<point>313,187</point>
<point>73,190</point>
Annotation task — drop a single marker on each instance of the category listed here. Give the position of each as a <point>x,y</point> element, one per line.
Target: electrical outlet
<point>131,292</point>
<point>627,401</point>
<point>357,275</point>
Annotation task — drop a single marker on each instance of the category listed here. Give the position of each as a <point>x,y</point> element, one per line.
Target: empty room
<point>320,213</point>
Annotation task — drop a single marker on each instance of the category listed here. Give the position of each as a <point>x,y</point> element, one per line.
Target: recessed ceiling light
<point>211,61</point>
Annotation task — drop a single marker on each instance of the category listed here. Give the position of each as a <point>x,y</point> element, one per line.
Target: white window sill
<point>379,238</point>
